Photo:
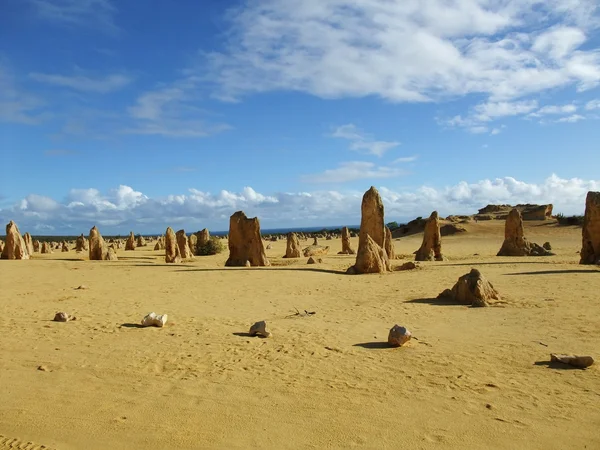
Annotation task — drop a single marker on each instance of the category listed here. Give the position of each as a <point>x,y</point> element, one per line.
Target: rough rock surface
<point>370,258</point>
<point>81,244</point>
<point>64,247</point>
<point>154,320</point>
<point>312,260</point>
<point>193,243</point>
<point>182,243</point>
<point>372,221</point>
<point>471,289</point>
<point>315,250</point>
<point>111,254</point>
<point>245,242</point>
<point>46,247</point>
<point>410,265</point>
<point>590,248</point>
<point>515,243</point>
<point>346,247</point>
<point>431,248</point>
<point>203,237</point>
<point>292,248</point>
<point>37,246</point>
<point>28,243</point>
<point>14,247</point>
<point>398,336</point>
<point>260,329</point>
<point>141,242</point>
<point>98,249</point>
<point>389,244</point>
<point>130,243</point>
<point>172,253</point>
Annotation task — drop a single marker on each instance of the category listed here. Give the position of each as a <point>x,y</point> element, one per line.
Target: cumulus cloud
<point>123,209</point>
<point>415,51</point>
<point>571,119</point>
<point>361,141</point>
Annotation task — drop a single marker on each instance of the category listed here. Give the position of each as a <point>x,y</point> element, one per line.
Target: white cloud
<point>82,83</point>
<point>406,159</point>
<point>362,141</point>
<point>97,14</point>
<point>571,119</point>
<point>414,51</point>
<point>352,171</point>
<point>124,209</point>
<point>17,105</point>
<point>481,115</point>
<point>592,104</point>
<point>170,112</point>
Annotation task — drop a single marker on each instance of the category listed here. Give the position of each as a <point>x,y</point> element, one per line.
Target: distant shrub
<point>212,247</point>
<point>393,225</point>
<point>569,220</point>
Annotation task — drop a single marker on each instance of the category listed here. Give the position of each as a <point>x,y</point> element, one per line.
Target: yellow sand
<point>324,381</point>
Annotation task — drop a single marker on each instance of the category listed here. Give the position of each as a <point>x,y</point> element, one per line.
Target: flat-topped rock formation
<point>528,211</point>
<point>245,243</point>
<point>515,243</point>
<point>590,246</point>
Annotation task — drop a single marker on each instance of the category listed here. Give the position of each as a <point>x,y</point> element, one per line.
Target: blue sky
<point>180,113</point>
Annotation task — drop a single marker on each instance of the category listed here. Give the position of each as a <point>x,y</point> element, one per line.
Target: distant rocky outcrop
<point>245,243</point>
<point>515,243</point>
<point>193,243</point>
<point>431,248</point>
<point>528,211</point>
<point>471,289</point>
<point>172,253</point>
<point>315,250</point>
<point>130,243</point>
<point>590,247</point>
<point>346,247</point>
<point>14,247</point>
<point>141,242</point>
<point>371,256</point>
<point>64,247</point>
<point>37,246</point>
<point>292,248</point>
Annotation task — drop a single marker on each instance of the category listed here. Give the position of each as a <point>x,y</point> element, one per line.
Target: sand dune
<point>473,378</point>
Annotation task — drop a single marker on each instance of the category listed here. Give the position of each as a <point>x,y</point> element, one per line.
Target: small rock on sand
<point>260,329</point>
<point>398,336</point>
<point>576,361</point>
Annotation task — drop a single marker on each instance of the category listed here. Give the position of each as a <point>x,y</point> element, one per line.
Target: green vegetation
<point>392,225</point>
<point>212,247</point>
<point>569,220</point>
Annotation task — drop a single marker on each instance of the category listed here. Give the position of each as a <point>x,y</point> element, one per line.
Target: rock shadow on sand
<point>555,272</point>
<point>131,325</point>
<point>376,345</point>
<point>556,365</point>
<point>435,301</point>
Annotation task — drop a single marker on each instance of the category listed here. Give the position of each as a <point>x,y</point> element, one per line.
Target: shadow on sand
<point>131,325</point>
<point>554,272</point>
<point>237,333</point>
<point>435,301</point>
<point>374,345</point>
<point>556,365</point>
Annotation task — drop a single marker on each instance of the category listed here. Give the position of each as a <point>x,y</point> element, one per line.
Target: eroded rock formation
<point>590,248</point>
<point>245,242</point>
<point>431,248</point>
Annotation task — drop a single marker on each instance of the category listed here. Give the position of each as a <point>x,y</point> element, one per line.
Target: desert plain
<point>470,377</point>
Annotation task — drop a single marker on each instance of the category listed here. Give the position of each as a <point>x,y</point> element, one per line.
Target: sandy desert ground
<point>474,377</point>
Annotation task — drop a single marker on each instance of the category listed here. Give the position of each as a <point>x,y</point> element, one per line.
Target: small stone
<point>260,329</point>
<point>62,317</point>
<point>81,287</point>
<point>42,368</point>
<point>410,265</point>
<point>576,361</point>
<point>312,260</point>
<point>154,320</point>
<point>398,336</point>
<point>547,246</point>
